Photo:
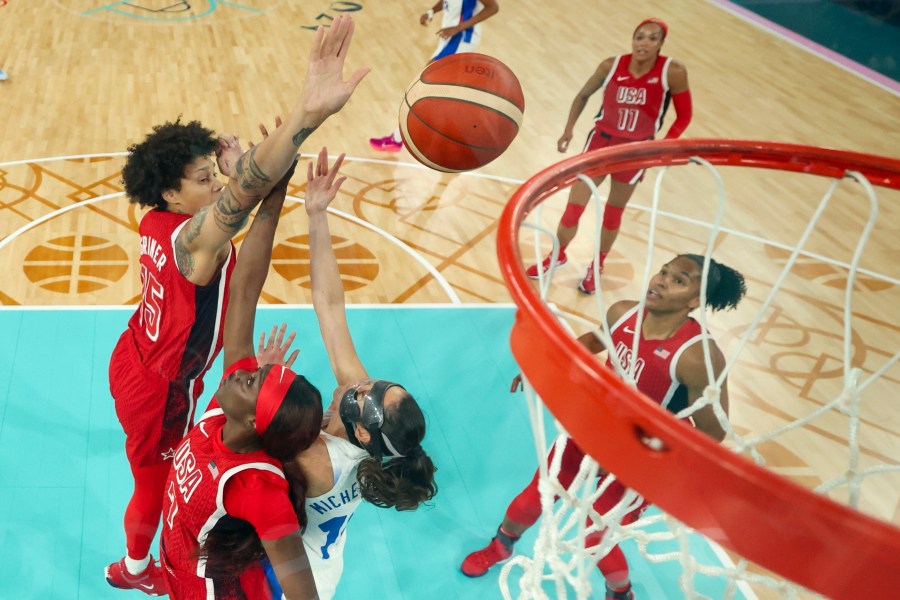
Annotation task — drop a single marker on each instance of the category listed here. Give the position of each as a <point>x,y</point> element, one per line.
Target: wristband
<point>430,14</point>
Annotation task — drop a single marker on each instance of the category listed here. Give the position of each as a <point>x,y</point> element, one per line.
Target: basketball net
<point>562,565</point>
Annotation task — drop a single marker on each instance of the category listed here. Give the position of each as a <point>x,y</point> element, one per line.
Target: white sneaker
<point>3,75</point>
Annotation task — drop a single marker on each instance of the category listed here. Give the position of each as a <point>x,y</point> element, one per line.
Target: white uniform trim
<point>221,512</point>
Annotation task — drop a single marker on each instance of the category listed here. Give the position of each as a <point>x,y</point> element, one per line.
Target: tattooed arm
<point>250,274</point>
<point>203,243</point>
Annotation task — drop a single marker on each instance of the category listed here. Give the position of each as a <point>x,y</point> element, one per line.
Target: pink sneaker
<point>532,271</point>
<point>588,285</point>
<point>479,562</point>
<point>151,581</point>
<point>386,144</point>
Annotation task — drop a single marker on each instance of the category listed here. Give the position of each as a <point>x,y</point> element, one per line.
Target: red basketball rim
<point>803,536</point>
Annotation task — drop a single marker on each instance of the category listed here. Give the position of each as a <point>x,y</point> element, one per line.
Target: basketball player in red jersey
<point>157,367</point>
<point>637,89</point>
<point>669,368</point>
<point>227,503</point>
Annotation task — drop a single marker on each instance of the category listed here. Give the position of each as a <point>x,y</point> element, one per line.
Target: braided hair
<point>724,286</point>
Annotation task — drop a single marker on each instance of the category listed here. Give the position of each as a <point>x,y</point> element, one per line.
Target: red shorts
<point>155,413</point>
<point>598,139</point>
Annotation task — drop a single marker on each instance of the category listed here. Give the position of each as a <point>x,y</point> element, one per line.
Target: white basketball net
<point>561,566</point>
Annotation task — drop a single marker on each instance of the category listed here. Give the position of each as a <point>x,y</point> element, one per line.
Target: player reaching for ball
<point>187,258</point>
<point>674,374</point>
<point>460,32</point>
<point>637,89</point>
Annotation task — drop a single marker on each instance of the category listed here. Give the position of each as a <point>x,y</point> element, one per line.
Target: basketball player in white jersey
<point>460,32</point>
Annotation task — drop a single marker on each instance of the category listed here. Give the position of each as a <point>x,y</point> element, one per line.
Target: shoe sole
<point>499,562</point>
<point>584,291</point>
<point>536,277</point>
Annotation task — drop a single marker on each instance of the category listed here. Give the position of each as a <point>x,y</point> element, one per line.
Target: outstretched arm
<point>327,288</point>
<point>250,274</point>
<point>594,83</point>
<point>257,171</point>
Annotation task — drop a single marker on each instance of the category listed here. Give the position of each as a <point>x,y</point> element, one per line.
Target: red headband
<point>271,394</point>
<point>655,21</point>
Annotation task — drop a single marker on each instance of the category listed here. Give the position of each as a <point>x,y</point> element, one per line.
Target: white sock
<point>136,567</point>
<point>396,135</point>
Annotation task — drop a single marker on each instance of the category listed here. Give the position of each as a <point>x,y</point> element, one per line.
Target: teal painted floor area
<point>64,479</point>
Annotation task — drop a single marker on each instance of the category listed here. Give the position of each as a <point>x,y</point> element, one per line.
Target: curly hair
<point>405,482</point>
<point>725,287</point>
<point>158,163</point>
<point>230,550</point>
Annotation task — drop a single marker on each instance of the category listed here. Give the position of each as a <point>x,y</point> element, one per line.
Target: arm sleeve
<point>261,499</point>
<point>683,114</point>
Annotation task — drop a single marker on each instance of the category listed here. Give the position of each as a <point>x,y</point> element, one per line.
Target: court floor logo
<point>167,11</point>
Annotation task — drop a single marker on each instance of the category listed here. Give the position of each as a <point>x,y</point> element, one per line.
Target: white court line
<point>454,299</point>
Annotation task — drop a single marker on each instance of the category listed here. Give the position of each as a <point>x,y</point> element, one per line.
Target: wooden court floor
<point>90,77</point>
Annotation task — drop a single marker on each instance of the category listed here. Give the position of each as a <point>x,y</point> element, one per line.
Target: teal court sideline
<point>64,479</point>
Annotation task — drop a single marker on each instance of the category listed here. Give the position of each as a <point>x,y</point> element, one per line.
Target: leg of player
<point>137,570</point>
<point>619,194</point>
<point>579,196</point>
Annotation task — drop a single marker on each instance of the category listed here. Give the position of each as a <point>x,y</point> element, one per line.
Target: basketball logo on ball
<point>461,112</point>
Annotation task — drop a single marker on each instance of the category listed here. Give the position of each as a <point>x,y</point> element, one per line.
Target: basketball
<point>461,112</point>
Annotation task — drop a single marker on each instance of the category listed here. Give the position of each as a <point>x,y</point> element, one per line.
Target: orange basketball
<point>461,112</point>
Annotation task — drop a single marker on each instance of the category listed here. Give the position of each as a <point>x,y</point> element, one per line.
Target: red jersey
<point>654,369</point>
<point>212,489</point>
<point>633,107</point>
<point>177,328</point>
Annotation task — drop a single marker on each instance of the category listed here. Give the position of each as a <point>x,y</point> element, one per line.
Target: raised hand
<point>324,90</point>
<point>228,151</point>
<point>273,351</point>
<point>322,185</point>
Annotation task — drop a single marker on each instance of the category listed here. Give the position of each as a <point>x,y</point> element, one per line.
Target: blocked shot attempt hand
<point>273,351</point>
<point>324,90</point>
<point>322,183</point>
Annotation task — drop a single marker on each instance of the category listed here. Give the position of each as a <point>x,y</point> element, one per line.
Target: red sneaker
<point>386,143</point>
<point>625,594</point>
<point>151,581</point>
<point>588,285</point>
<point>532,271</point>
<point>479,562</point>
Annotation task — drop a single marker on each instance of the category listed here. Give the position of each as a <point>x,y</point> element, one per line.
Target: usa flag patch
<point>213,469</point>
<point>661,352</point>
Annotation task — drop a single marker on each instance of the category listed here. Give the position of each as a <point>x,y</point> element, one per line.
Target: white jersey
<point>454,13</point>
<point>327,515</point>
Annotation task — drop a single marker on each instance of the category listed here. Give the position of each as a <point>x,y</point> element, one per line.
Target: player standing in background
<point>669,368</point>
<point>637,88</point>
<point>460,32</point>
<point>157,367</point>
